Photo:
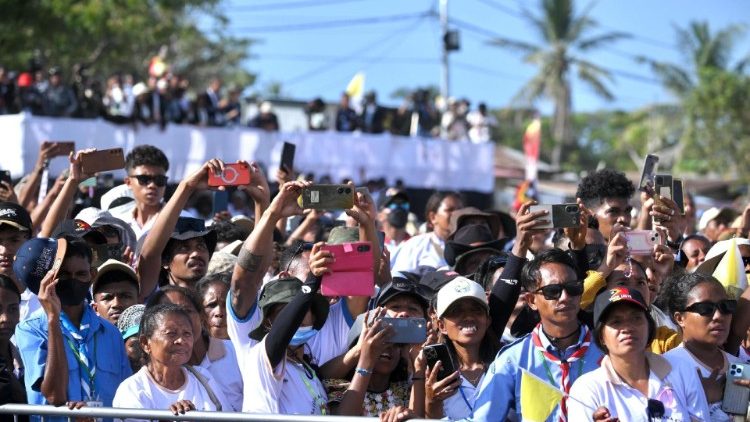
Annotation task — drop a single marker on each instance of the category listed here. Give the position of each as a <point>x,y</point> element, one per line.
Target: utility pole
<point>444,69</point>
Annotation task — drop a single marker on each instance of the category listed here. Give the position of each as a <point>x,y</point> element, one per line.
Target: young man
<point>147,168</point>
<point>70,353</point>
<point>15,228</point>
<point>559,350</point>
<point>115,289</point>
<point>606,193</point>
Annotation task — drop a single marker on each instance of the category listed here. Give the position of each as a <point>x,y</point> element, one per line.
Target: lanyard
<point>463,396</point>
<point>317,399</point>
<point>82,365</point>
<point>549,372</point>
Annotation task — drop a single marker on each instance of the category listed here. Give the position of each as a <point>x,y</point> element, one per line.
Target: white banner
<point>419,163</point>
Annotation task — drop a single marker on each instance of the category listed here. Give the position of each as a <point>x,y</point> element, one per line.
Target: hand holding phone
<point>736,396</point>
<point>234,174</point>
<point>642,242</point>
<point>352,271</point>
<point>561,216</point>
<point>647,183</point>
<point>439,352</point>
<point>327,197</point>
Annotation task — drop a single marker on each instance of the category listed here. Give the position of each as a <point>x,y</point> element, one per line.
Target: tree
<point>109,37</point>
<point>565,37</point>
<point>701,50</point>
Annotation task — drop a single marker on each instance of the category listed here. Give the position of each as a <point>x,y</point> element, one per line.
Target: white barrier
<point>420,163</point>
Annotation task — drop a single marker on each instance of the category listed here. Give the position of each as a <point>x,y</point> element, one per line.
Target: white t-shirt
<point>327,344</point>
<point>221,362</point>
<point>29,304</point>
<point>681,354</point>
<point>421,250</point>
<point>461,406</point>
<point>662,319</point>
<point>287,389</point>
<point>672,382</point>
<point>140,391</point>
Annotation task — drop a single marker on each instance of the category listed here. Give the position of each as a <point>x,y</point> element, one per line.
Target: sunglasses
<point>144,179</point>
<point>726,307</point>
<point>554,291</point>
<point>746,260</point>
<point>397,205</point>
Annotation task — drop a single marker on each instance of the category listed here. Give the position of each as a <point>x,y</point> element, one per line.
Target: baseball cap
<point>80,229</point>
<point>36,257</point>
<point>15,215</point>
<point>608,298</point>
<point>120,191</point>
<point>130,320</point>
<point>404,286</point>
<point>456,289</point>
<point>112,265</point>
<point>283,290</point>
<point>437,279</point>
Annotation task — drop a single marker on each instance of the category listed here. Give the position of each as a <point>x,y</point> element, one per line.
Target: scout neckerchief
<point>76,340</point>
<point>564,364</point>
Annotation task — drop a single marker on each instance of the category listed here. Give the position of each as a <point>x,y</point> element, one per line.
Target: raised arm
<point>54,385</point>
<point>364,213</point>
<point>149,261</point>
<point>257,251</point>
<point>61,205</point>
<point>28,193</point>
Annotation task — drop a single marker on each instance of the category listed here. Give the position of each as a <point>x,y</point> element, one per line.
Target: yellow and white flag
<point>356,91</point>
<point>538,397</point>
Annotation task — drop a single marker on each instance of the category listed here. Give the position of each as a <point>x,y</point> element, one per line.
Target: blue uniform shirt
<point>104,343</point>
<point>500,391</point>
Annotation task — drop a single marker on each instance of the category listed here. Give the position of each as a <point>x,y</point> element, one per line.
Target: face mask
<point>71,291</point>
<point>398,218</point>
<point>302,336</point>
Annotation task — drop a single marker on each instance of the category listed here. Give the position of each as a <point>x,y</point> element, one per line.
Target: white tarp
<point>420,163</point>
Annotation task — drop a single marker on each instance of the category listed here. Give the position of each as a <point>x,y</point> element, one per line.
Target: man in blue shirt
<point>69,353</point>
<point>558,350</point>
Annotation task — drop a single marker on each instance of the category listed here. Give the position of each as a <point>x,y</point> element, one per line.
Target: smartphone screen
<point>677,195</point>
<point>649,171</point>
<point>287,157</point>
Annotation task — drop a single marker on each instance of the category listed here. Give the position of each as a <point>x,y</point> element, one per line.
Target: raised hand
<point>527,224</point>
<point>258,187</point>
<point>199,178</point>
<point>320,260</point>
<point>285,203</point>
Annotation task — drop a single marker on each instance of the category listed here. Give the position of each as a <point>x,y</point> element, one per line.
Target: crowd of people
<point>166,98</point>
<point>136,303</point>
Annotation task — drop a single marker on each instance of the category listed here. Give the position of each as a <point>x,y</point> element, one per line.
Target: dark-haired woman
<point>166,381</point>
<point>701,308</point>
<point>216,356</point>
<point>11,367</point>
<point>463,322</point>
<point>632,383</point>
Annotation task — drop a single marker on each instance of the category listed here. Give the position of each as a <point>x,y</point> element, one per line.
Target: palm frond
<point>599,40</point>
<point>518,45</point>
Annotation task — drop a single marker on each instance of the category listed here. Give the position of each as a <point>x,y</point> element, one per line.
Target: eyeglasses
<point>726,307</point>
<point>554,291</point>
<point>301,246</point>
<point>144,179</point>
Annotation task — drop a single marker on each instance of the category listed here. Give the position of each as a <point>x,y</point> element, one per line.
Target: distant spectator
<point>29,97</point>
<point>372,116</point>
<point>453,124</point>
<point>346,117</point>
<point>266,119</point>
<point>231,107</point>
<point>212,103</point>
<point>7,93</point>
<point>116,103</point>
<point>58,98</point>
<point>317,120</point>
<point>480,122</point>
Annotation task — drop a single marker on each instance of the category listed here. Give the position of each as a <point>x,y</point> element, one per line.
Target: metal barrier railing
<point>118,413</point>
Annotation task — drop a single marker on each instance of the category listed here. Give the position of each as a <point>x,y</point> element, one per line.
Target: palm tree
<point>702,50</point>
<point>564,35</point>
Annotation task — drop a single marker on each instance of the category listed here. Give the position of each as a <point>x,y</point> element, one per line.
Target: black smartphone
<point>560,216</point>
<point>439,352</point>
<point>5,177</point>
<point>287,157</point>
<point>677,195</point>
<point>663,185</point>
<point>220,201</point>
<point>647,176</point>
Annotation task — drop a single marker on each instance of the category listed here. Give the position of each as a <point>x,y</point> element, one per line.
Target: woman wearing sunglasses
<point>701,308</point>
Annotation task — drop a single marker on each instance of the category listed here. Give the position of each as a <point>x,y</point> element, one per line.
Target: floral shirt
<point>397,394</point>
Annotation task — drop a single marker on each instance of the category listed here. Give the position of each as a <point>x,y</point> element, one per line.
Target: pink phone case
<point>353,273</point>
<point>642,242</point>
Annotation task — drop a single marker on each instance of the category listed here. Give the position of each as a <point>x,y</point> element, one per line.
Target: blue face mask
<point>302,336</point>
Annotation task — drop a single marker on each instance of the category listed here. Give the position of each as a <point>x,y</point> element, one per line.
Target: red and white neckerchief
<point>564,364</point>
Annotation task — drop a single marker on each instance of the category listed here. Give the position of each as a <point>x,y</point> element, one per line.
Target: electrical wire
<point>287,5</point>
<point>334,23</point>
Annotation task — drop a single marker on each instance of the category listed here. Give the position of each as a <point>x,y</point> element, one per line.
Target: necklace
<point>557,339</point>
<point>476,378</point>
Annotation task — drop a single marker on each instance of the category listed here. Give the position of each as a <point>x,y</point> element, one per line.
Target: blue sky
<point>404,51</point>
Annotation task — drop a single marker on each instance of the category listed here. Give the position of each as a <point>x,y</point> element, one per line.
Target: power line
<point>320,58</point>
<point>335,23</point>
<point>287,5</point>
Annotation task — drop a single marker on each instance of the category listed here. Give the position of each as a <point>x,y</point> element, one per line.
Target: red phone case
<point>353,273</point>
<point>235,174</point>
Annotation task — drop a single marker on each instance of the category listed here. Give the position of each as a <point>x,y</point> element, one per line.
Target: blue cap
<point>35,258</point>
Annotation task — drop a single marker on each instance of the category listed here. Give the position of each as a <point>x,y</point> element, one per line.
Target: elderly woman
<point>166,381</point>
<point>633,384</point>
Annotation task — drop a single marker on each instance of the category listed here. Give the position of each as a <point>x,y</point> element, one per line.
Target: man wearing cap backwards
<point>70,353</point>
<point>559,350</point>
<point>181,246</point>
<point>15,228</point>
<point>115,289</point>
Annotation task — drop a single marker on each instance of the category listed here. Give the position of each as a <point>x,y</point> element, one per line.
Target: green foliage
<point>110,36</point>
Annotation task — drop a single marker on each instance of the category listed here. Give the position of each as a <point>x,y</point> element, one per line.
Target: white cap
<point>139,88</point>
<point>114,193</point>
<point>456,289</point>
<point>707,216</point>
